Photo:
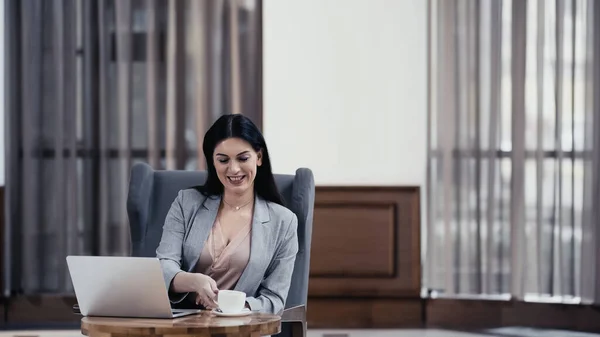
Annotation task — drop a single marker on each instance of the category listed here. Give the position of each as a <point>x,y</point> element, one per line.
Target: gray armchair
<point>151,193</point>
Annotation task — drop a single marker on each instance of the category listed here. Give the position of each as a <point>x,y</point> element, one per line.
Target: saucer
<point>244,312</point>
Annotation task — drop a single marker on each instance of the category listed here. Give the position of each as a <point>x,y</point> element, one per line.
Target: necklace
<point>237,208</point>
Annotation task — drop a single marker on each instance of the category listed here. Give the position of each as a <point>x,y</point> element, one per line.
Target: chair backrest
<point>151,193</point>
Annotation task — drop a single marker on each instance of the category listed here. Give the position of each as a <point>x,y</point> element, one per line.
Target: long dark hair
<point>238,126</point>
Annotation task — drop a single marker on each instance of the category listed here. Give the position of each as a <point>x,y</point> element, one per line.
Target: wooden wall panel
<point>464,313</point>
<point>2,229</point>
<point>366,247</point>
<point>482,314</point>
<point>362,313</point>
<point>366,242</point>
<point>365,258</point>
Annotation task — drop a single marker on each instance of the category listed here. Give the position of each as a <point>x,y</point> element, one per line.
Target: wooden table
<point>203,324</point>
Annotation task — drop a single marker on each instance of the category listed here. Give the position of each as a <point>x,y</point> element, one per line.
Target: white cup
<point>231,301</point>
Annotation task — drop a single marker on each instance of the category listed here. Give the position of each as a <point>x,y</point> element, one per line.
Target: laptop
<point>118,286</point>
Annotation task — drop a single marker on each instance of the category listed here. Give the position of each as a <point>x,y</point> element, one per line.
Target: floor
<point>313,333</point>
<point>500,332</point>
<point>391,333</point>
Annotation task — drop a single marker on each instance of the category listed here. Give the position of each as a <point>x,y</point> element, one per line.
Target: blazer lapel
<point>258,236</point>
<point>200,230</point>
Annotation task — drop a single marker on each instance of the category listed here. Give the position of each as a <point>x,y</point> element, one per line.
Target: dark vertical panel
<point>90,115</point>
<point>211,34</point>
<point>72,102</point>
<point>456,160</point>
<point>517,220</point>
<point>60,225</point>
<point>218,81</point>
<point>74,96</point>
<point>103,62</point>
<point>495,108</point>
<point>465,143</point>
<point>123,11</point>
<point>462,134</point>
<point>13,88</point>
<point>152,83</point>
<point>176,149</point>
<point>202,87</point>
<point>475,87</point>
<point>256,77</point>
<point>234,58</point>
<point>32,21</point>
<point>225,56</point>
<point>589,225</point>
<point>58,202</point>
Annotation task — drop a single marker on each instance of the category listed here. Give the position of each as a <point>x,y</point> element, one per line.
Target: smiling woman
<point>237,155</point>
<point>232,233</point>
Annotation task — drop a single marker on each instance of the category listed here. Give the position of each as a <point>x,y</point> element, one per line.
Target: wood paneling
<point>464,313</point>
<point>2,228</point>
<point>362,313</point>
<point>479,314</point>
<point>365,269</point>
<point>366,242</point>
<point>366,247</point>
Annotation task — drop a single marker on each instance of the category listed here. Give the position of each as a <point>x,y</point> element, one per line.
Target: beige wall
<point>345,89</point>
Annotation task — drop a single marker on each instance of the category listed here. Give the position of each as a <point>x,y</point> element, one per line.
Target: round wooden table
<point>203,324</point>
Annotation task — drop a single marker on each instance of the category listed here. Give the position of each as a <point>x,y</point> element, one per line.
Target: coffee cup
<point>231,301</point>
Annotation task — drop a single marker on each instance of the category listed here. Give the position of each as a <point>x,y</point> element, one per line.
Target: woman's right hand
<point>206,291</point>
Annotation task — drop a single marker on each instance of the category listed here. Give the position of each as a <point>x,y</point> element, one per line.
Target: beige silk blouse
<point>224,262</point>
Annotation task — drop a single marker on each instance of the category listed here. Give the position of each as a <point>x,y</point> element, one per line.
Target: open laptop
<point>118,286</point>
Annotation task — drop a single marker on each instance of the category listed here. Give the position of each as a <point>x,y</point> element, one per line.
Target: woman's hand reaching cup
<point>206,292</point>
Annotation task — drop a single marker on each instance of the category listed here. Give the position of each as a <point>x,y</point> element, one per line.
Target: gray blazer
<point>273,247</point>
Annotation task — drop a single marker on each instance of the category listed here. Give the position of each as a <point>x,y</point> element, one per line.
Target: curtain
<point>513,165</point>
<point>96,86</point>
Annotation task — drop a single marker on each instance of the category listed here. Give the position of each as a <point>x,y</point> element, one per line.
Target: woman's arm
<point>273,290</point>
<point>179,283</point>
<point>184,282</point>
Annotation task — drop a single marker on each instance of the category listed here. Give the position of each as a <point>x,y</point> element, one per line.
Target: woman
<point>232,233</point>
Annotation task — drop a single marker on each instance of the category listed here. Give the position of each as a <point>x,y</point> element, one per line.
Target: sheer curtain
<point>514,130</point>
<point>95,86</point>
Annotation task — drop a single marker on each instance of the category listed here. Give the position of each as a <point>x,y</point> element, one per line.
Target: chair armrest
<point>295,318</point>
<point>294,314</point>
